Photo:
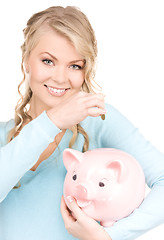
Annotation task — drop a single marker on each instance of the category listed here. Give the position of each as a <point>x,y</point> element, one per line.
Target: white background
<point>130,38</point>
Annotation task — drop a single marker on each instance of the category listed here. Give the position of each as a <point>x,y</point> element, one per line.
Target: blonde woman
<point>60,109</point>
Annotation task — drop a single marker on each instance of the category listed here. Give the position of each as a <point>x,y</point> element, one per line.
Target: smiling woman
<point>60,109</point>
<point>52,64</point>
<point>58,61</point>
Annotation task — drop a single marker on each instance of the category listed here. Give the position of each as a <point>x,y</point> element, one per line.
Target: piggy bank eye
<point>101,184</point>
<point>74,176</point>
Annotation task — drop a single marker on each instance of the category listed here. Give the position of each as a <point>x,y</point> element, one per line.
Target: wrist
<point>51,115</point>
<point>101,235</point>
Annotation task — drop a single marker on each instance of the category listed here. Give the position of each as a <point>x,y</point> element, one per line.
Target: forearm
<point>149,215</point>
<point>121,134</point>
<point>18,156</point>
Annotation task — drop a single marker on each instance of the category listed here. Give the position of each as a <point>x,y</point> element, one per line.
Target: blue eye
<point>76,67</point>
<point>47,62</point>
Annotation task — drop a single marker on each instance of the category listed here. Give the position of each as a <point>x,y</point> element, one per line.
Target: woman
<point>58,110</point>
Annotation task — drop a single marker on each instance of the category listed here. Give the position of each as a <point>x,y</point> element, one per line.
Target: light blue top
<point>32,212</point>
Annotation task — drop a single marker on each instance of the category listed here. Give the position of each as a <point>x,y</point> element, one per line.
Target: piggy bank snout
<point>81,191</point>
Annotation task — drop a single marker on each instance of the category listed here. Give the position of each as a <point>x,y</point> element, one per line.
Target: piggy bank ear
<point>118,170</point>
<point>70,157</point>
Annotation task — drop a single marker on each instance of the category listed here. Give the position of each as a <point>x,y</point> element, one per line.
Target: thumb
<point>75,209</point>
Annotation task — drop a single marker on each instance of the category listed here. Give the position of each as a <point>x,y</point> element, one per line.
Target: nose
<point>60,74</point>
<point>81,191</point>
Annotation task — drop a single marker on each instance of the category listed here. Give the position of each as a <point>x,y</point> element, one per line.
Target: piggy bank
<point>108,184</point>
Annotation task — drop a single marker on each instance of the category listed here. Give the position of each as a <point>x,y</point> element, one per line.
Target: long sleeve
<point>118,132</point>
<point>18,156</point>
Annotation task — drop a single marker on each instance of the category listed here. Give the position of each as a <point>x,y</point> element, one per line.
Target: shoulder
<point>5,127</point>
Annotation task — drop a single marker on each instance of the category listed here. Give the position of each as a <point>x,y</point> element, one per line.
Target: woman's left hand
<point>81,226</point>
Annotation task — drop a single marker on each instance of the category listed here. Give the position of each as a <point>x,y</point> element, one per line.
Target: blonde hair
<point>71,23</point>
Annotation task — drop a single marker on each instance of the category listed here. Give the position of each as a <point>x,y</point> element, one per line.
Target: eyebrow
<point>74,61</point>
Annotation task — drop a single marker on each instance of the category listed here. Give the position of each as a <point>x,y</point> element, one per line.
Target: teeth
<point>56,90</point>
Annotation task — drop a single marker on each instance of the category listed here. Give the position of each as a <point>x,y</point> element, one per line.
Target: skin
<point>54,62</point>
<point>81,226</point>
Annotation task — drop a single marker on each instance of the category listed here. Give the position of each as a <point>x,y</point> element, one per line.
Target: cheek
<point>76,79</point>
<point>37,75</point>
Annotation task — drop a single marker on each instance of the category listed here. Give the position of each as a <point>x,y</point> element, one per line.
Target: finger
<point>96,112</point>
<point>73,206</point>
<point>98,96</point>
<point>65,212</point>
<point>95,100</point>
<point>95,103</point>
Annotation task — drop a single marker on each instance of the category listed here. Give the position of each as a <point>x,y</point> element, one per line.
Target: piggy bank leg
<point>107,223</point>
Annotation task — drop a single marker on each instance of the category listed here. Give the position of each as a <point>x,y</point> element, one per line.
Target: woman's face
<point>55,69</point>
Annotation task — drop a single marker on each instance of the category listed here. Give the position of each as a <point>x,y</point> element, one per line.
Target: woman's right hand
<point>75,108</point>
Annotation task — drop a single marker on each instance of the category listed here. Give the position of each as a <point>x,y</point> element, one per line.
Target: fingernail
<point>70,199</point>
<point>104,111</point>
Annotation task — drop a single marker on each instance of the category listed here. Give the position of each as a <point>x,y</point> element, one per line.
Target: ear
<point>70,157</point>
<point>119,170</point>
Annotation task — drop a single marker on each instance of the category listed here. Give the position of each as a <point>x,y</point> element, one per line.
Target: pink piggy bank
<point>108,184</point>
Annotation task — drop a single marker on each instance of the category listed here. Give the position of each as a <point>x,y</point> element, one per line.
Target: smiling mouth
<point>56,90</point>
